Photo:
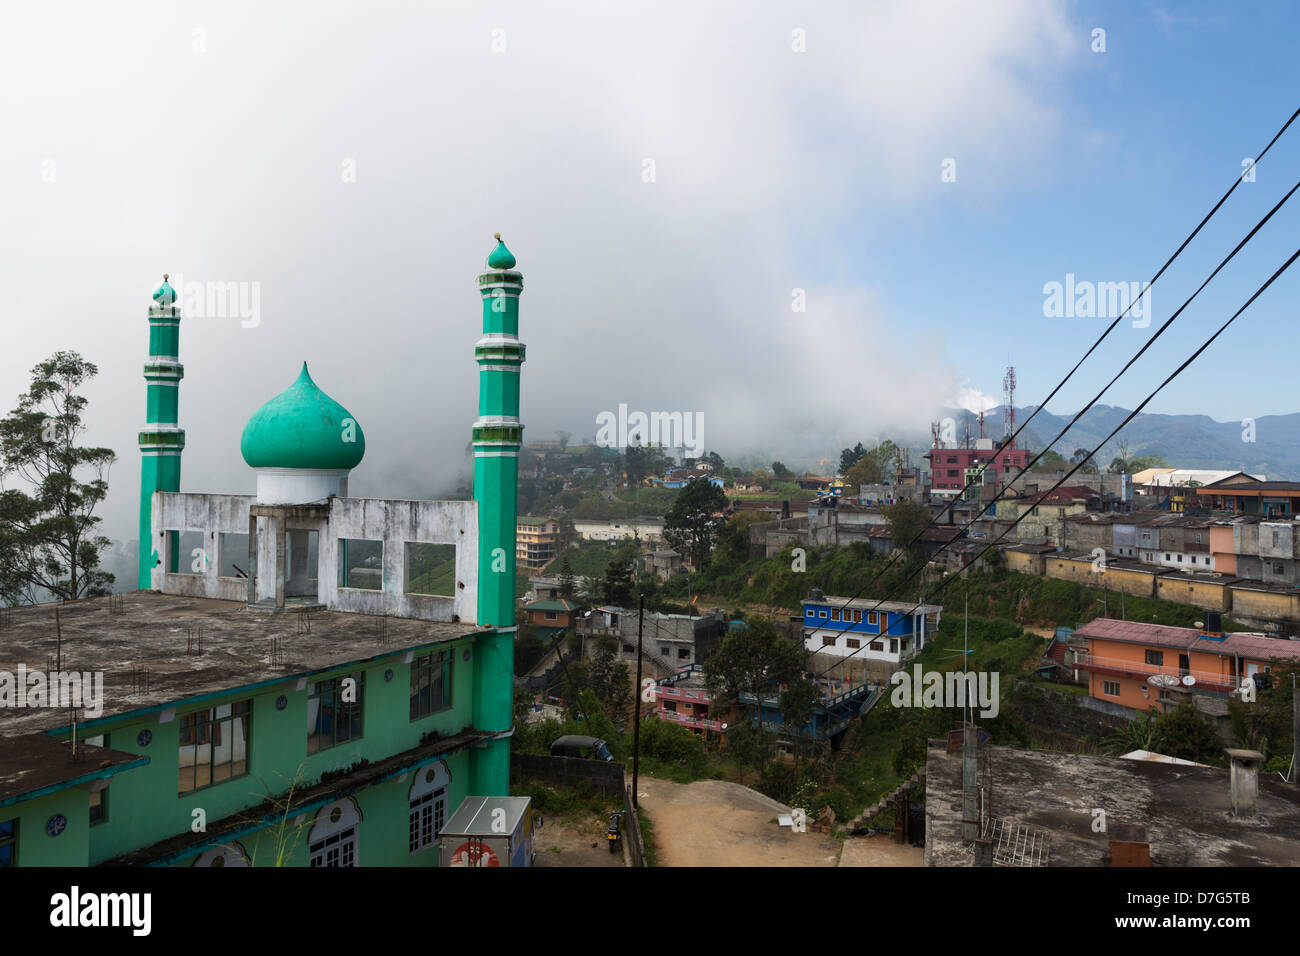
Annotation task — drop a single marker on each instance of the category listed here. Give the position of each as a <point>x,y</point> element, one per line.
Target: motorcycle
<point>613,835</point>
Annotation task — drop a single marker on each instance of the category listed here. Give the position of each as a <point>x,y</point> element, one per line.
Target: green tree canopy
<point>47,532</point>
<point>694,520</point>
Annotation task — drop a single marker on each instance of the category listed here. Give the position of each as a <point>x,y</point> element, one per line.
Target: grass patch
<point>648,837</point>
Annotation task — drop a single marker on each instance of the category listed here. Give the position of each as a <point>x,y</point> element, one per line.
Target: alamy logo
<point>102,909</point>
<point>683,430</point>
<point>951,689</point>
<point>1092,300</point>
<point>220,300</point>
<point>36,688</point>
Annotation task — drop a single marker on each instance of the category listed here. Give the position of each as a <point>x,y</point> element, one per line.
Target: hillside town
<point>733,436</point>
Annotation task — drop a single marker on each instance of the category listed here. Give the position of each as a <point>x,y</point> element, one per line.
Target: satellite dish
<point>1188,680</point>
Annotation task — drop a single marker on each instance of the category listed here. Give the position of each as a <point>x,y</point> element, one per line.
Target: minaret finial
<point>496,236</point>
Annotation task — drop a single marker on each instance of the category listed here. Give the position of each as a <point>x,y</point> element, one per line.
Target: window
<point>98,806</point>
<point>665,650</point>
<point>98,798</point>
<point>828,640</point>
<point>189,554</point>
<point>333,840</point>
<point>213,745</point>
<point>550,615</point>
<point>1166,555</point>
<point>683,653</point>
<point>821,613</point>
<point>1110,688</point>
<point>873,618</point>
<point>1198,538</point>
<point>952,472</point>
<point>430,683</point>
<point>857,617</point>
<point>629,649</point>
<point>431,569</point>
<point>232,550</point>
<point>361,564</point>
<point>853,643</point>
<point>835,614</point>
<point>877,645</point>
<point>9,843</point>
<point>893,645</point>
<point>428,798</point>
<point>334,711</point>
<point>1156,658</point>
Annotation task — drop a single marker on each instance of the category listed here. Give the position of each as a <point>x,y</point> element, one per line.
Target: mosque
<point>320,679</point>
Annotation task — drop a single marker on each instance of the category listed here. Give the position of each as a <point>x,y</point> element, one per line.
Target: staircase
<point>911,783</point>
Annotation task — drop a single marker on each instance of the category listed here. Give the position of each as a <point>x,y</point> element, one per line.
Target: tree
<point>749,746</point>
<point>47,539</point>
<point>732,545</point>
<point>907,519</point>
<point>1143,462</point>
<point>752,659</point>
<point>1185,733</point>
<point>1117,465</point>
<point>618,585</point>
<point>714,461</point>
<point>693,522</point>
<point>760,478</point>
<point>850,457</point>
<point>798,704</point>
<point>780,472</point>
<point>640,462</point>
<point>1051,460</point>
<point>1083,458</point>
<point>567,583</point>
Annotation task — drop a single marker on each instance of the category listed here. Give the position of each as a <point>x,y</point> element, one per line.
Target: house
<point>681,477</point>
<point>1141,666</point>
<point>683,698</point>
<point>536,541</point>
<point>1042,515</point>
<point>550,615</point>
<point>860,638</point>
<point>1270,499</point>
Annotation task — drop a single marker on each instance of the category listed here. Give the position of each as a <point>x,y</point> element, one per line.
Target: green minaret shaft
<point>162,439</point>
<point>498,436</point>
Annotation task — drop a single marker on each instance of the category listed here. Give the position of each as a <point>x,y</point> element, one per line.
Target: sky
<point>813,224</point>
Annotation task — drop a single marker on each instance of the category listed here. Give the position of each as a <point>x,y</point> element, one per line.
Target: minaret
<point>498,436</point>
<point>163,439</point>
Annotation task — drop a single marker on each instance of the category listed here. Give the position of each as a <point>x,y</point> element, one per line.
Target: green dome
<point>302,427</point>
<point>501,257</point>
<point>165,295</point>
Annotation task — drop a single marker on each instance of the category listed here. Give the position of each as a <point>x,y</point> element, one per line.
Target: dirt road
<point>714,823</point>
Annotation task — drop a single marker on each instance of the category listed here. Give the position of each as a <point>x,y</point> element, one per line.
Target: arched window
<point>230,855</point>
<point>333,839</point>
<point>428,798</point>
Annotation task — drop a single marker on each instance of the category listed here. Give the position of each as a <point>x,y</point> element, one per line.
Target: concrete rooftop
<point>151,632</point>
<point>1185,809</point>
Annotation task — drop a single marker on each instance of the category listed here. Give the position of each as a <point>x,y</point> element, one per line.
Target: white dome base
<point>300,486</point>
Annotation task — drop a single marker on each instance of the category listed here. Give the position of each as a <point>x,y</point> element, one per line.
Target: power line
<point>933,520</point>
<point>1131,415</point>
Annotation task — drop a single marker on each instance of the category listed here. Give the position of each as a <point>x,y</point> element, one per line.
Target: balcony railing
<point>1140,669</point>
<point>703,723</point>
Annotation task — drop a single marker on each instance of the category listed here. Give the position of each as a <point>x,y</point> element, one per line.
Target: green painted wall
<point>35,846</point>
<point>145,807</point>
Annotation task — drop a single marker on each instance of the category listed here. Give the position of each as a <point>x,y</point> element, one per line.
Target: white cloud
<point>672,295</point>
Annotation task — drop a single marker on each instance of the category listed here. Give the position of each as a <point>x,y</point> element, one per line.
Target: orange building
<point>1222,550</point>
<point>1123,657</point>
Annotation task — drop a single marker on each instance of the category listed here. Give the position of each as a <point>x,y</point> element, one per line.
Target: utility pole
<point>636,725</point>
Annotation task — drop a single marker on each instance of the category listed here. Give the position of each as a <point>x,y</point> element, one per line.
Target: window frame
<point>438,664</point>
<point>316,691</point>
<point>207,733</point>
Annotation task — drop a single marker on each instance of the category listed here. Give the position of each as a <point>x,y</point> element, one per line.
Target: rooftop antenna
<point>1009,404</point>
